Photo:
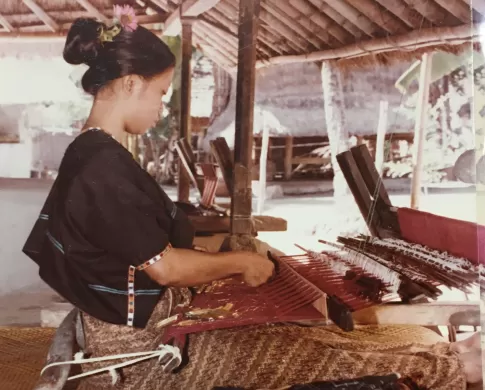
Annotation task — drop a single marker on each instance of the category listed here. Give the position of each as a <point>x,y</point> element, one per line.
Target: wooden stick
<point>354,16</point>
<point>439,313</point>
<point>420,129</point>
<point>185,97</point>
<point>457,8</point>
<point>386,20</point>
<point>92,10</point>
<point>411,41</point>
<point>6,24</point>
<point>433,12</point>
<point>477,5</point>
<point>41,14</point>
<point>263,159</point>
<point>381,135</point>
<point>188,8</point>
<point>321,19</point>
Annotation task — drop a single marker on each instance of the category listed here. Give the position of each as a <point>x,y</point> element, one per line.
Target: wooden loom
<point>383,279</point>
<point>208,217</point>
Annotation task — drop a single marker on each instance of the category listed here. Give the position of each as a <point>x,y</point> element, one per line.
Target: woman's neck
<point>104,115</point>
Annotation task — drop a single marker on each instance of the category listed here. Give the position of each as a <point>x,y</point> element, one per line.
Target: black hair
<point>138,52</point>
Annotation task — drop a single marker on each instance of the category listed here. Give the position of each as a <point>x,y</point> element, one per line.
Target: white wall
<point>20,204</point>
<point>16,160</point>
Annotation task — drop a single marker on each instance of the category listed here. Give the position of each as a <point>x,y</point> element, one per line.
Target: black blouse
<point>104,221</point>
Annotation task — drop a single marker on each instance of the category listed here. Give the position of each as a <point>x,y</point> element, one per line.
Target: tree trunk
<point>338,135</point>
<point>222,91</point>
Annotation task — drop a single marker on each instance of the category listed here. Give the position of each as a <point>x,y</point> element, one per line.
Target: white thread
<point>141,356</point>
<point>114,376</point>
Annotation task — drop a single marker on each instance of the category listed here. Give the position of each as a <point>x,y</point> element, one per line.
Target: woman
<point>110,241</point>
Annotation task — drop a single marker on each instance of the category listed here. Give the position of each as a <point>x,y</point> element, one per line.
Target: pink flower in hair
<point>126,17</point>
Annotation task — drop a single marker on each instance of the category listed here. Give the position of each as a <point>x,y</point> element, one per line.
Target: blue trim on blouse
<point>123,292</point>
<point>56,243</point>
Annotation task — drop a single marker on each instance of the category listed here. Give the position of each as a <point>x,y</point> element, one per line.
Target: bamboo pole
<point>185,95</point>
<point>413,40</point>
<point>420,128</point>
<point>381,135</point>
<point>263,161</point>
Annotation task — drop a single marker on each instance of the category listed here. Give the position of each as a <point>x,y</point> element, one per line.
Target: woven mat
<point>23,352</point>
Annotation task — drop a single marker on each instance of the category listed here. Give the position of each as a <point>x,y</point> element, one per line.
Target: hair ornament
<point>124,18</point>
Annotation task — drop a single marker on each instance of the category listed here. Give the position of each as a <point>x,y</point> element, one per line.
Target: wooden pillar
<point>420,128</point>
<point>338,135</point>
<point>288,157</point>
<point>241,205</point>
<point>263,159</point>
<point>185,96</point>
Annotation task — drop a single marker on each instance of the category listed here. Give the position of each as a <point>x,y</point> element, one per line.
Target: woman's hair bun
<point>82,43</point>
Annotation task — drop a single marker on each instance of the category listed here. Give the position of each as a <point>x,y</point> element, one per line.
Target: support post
<point>381,135</point>
<point>241,205</point>
<point>338,135</point>
<point>185,96</point>
<point>288,157</point>
<point>420,128</point>
<point>263,159</point>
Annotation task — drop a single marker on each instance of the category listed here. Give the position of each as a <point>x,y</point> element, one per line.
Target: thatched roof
<point>316,30</point>
<point>289,101</point>
<point>290,30</point>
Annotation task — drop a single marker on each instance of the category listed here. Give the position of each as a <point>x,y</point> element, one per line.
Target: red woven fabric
<point>460,238</point>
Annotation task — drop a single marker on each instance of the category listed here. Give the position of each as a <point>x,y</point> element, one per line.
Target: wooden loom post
<point>420,128</point>
<point>185,96</point>
<point>241,204</point>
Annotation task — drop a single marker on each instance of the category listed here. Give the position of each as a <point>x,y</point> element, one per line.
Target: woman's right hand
<point>257,269</point>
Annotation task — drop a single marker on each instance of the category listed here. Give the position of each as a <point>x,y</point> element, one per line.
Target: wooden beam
<point>188,8</point>
<point>92,10</point>
<point>409,16</point>
<point>424,314</point>
<point>357,18</point>
<point>381,16</point>
<point>413,40</point>
<point>458,9</point>
<point>433,12</point>
<point>477,5</point>
<point>420,129</point>
<point>322,20</point>
<point>6,24</point>
<point>39,33</point>
<point>42,15</point>
<point>241,205</point>
<point>185,96</point>
<point>217,224</point>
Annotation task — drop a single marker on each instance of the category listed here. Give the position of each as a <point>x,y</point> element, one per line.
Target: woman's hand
<point>258,269</point>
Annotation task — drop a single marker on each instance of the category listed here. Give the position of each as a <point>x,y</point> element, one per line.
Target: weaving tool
<point>231,303</point>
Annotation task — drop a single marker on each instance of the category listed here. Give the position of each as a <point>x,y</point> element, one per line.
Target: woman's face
<point>143,107</point>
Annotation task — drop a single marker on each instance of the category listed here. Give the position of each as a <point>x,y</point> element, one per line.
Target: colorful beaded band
<point>131,282</point>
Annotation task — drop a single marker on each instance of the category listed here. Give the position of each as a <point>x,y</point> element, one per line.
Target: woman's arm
<point>187,268</point>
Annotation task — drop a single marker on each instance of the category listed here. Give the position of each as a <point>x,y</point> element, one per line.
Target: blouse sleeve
<point>119,217</point>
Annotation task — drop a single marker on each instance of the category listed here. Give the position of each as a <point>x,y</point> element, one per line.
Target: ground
<point>309,217</point>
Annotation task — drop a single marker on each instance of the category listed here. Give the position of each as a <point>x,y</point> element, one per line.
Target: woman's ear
<point>132,84</point>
